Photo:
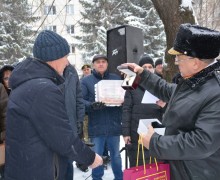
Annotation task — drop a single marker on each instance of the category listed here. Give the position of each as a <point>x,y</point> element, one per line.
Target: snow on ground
<point>108,174</point>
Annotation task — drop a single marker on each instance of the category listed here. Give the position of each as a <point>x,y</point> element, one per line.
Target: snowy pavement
<point>108,175</point>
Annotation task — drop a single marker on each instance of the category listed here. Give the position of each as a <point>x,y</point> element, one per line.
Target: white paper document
<point>149,98</point>
<point>143,123</point>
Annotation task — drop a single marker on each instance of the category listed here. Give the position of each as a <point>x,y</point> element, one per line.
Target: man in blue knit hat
<point>40,139</point>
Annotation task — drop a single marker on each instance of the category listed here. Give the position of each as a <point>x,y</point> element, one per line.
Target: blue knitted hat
<point>50,46</point>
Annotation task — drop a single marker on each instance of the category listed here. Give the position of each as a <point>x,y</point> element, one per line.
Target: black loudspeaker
<point>124,44</point>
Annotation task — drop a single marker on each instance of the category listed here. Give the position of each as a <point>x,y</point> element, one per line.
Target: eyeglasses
<point>180,60</point>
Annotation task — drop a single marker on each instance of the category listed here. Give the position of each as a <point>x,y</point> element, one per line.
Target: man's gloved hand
<point>98,105</point>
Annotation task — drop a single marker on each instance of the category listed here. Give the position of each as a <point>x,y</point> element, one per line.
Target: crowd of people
<point>49,117</point>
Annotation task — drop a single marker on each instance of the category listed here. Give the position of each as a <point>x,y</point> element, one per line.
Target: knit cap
<point>49,46</point>
<point>146,59</point>
<point>158,61</point>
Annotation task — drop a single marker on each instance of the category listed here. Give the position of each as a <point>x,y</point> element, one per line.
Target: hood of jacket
<point>32,68</point>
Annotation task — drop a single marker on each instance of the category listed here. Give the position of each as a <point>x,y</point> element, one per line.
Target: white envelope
<point>149,98</point>
<point>143,123</point>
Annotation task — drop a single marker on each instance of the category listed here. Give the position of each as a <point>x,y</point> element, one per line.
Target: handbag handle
<point>140,142</point>
<point>155,160</point>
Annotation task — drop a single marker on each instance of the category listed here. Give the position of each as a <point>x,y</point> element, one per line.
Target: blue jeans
<point>112,143</point>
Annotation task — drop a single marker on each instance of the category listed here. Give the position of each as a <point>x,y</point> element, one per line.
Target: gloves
<point>98,105</point>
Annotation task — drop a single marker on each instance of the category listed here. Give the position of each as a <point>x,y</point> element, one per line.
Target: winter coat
<point>73,97</point>
<point>104,122</point>
<point>39,137</point>
<point>134,110</point>
<point>3,106</point>
<point>191,142</point>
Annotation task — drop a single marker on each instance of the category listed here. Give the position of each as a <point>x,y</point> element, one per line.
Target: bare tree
<point>172,14</point>
<point>207,13</point>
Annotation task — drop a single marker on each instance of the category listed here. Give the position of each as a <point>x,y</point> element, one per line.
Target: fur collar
<point>201,77</point>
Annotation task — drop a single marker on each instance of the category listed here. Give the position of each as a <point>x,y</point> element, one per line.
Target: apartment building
<point>61,17</point>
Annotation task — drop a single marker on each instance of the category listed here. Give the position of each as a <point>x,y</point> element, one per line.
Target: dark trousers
<point>105,153</point>
<point>69,172</point>
<point>132,155</point>
<point>2,168</point>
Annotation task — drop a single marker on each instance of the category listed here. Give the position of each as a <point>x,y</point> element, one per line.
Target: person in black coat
<point>3,105</point>
<point>40,139</point>
<point>133,111</point>
<point>191,143</point>
<point>74,106</point>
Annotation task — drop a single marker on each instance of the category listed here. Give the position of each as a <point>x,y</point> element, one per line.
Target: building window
<point>70,29</point>
<point>51,28</point>
<point>50,10</point>
<point>70,9</point>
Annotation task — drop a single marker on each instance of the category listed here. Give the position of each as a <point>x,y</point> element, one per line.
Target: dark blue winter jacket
<point>73,96</point>
<point>39,137</point>
<point>104,122</point>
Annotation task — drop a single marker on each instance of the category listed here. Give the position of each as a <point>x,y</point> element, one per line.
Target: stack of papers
<point>143,123</point>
